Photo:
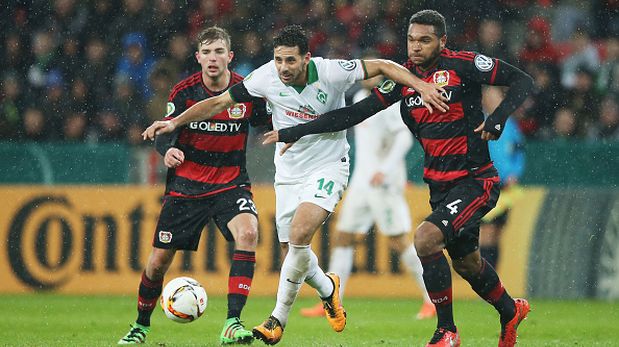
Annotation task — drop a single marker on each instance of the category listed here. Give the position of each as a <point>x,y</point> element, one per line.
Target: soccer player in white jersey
<point>311,177</point>
<point>376,196</point>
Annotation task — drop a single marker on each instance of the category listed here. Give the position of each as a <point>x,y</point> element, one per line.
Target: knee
<point>467,268</point>
<point>247,238</point>
<point>428,239</point>
<point>156,269</point>
<point>300,235</point>
<point>399,243</point>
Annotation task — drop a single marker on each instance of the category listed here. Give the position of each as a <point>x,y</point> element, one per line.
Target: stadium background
<point>81,191</point>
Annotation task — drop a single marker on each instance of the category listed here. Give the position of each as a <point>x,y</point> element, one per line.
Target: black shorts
<point>182,219</point>
<point>458,210</point>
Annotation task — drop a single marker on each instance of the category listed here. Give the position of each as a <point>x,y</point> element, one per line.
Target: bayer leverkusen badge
<point>237,111</point>
<point>441,78</point>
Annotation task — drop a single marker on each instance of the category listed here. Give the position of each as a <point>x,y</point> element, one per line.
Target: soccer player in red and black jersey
<point>457,166</point>
<point>206,179</point>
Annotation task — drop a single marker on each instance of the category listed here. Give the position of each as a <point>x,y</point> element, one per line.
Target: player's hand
<point>377,179</point>
<point>485,135</point>
<point>270,137</point>
<point>285,148</point>
<point>173,158</point>
<point>158,127</point>
<point>433,96</point>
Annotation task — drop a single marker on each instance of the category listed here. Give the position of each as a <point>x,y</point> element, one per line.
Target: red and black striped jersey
<point>214,149</point>
<point>452,149</point>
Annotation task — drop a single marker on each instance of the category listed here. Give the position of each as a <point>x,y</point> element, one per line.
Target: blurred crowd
<point>101,70</point>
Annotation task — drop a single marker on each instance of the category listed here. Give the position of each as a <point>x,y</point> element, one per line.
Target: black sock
<point>239,281</point>
<point>489,287</point>
<point>491,254</point>
<point>437,278</point>
<point>147,299</point>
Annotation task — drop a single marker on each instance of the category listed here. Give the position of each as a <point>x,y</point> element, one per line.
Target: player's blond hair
<point>212,34</point>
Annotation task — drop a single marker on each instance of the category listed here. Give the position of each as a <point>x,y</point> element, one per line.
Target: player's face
<point>214,57</point>
<point>423,44</point>
<point>291,64</point>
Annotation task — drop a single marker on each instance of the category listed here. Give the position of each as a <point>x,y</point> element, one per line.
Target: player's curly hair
<point>211,34</point>
<point>430,17</point>
<point>292,36</point>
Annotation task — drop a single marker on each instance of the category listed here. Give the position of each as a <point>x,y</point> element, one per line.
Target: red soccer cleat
<point>444,338</point>
<point>426,311</point>
<point>314,311</point>
<point>508,332</point>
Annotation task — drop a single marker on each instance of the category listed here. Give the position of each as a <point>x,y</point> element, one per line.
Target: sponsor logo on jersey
<point>305,112</point>
<point>483,63</point>
<point>165,236</point>
<point>170,108</point>
<point>321,96</point>
<point>348,65</point>
<point>307,109</point>
<point>237,111</point>
<point>386,87</point>
<point>417,101</point>
<point>215,126</point>
<point>441,78</point>
<point>284,94</point>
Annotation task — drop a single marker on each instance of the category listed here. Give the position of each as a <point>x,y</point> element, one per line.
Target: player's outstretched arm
<point>336,120</point>
<point>431,94</point>
<point>520,86</point>
<point>202,110</point>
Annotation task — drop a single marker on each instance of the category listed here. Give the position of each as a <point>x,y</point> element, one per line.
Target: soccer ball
<point>183,300</point>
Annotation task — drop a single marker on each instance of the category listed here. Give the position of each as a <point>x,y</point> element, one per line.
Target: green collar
<point>312,76</point>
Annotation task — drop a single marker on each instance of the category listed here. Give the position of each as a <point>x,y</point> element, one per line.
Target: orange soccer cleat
<point>444,338</point>
<point>426,311</point>
<point>270,331</point>
<point>314,311</point>
<point>508,332</point>
<point>335,312</point>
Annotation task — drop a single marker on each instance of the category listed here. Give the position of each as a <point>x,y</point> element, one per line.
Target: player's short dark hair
<point>212,34</point>
<point>430,17</point>
<point>292,36</point>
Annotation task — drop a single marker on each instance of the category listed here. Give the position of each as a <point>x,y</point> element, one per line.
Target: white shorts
<point>365,206</point>
<point>324,188</point>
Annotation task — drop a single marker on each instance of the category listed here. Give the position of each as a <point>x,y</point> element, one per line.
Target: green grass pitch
<point>59,320</point>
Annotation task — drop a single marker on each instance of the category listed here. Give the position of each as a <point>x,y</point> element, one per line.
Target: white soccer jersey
<point>328,80</point>
<point>374,140</point>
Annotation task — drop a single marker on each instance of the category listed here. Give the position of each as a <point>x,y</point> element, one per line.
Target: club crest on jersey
<point>237,111</point>
<point>170,108</point>
<point>441,78</point>
<point>348,65</point>
<point>165,236</point>
<point>321,96</point>
<point>483,63</point>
